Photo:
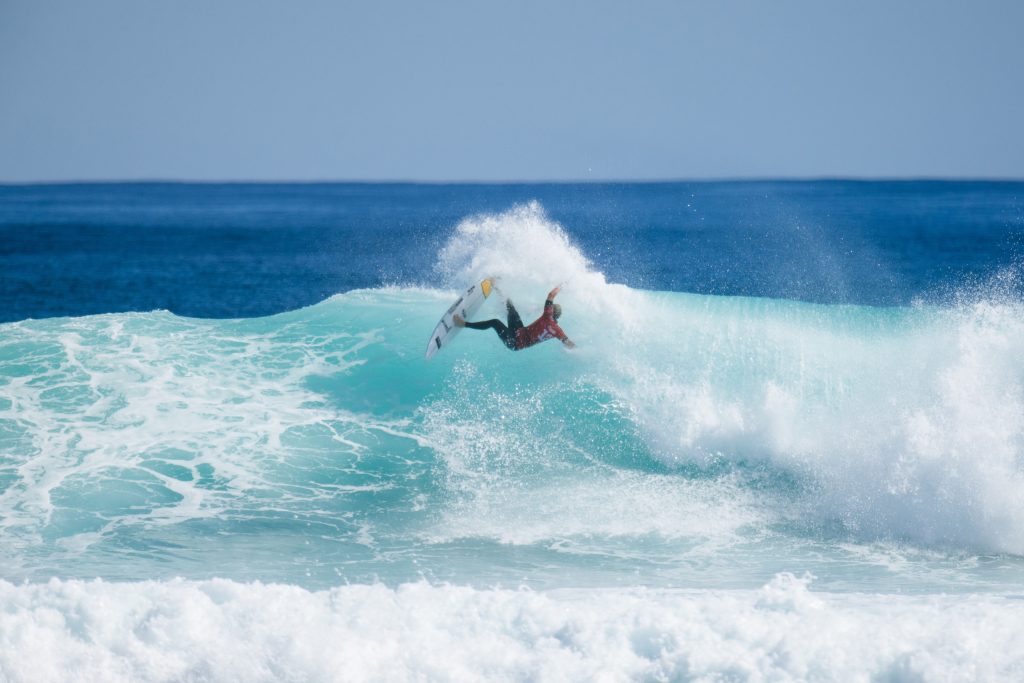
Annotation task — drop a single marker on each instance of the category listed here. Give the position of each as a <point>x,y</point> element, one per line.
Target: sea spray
<point>905,423</point>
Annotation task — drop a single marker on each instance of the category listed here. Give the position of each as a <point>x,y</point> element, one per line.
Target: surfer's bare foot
<point>457,319</point>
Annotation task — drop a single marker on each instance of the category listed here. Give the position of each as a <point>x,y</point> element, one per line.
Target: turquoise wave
<point>318,443</point>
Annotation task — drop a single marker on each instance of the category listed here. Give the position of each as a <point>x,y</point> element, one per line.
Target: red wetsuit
<point>543,328</point>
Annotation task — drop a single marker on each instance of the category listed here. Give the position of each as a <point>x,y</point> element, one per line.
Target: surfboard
<point>466,305</point>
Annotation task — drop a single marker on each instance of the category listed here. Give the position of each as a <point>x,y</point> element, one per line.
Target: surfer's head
<point>556,311</point>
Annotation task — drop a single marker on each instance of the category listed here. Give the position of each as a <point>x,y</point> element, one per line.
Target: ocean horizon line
<point>521,182</point>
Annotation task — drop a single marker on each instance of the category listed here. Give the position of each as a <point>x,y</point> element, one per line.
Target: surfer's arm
<point>550,301</point>
<point>563,337</point>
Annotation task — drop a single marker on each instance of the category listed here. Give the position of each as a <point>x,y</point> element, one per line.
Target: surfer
<point>517,336</point>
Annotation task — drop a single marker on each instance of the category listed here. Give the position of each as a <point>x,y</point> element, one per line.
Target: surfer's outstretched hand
<point>457,319</point>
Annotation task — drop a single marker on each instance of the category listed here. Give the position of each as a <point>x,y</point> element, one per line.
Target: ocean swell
<point>714,420</point>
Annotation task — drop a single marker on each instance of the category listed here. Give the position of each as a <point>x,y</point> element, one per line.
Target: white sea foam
<point>624,504</point>
<point>221,630</point>
<point>151,419</point>
<point>905,423</point>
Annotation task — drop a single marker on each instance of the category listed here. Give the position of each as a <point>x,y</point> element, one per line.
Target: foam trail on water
<point>131,421</point>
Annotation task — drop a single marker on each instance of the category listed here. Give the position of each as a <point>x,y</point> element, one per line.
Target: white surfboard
<point>465,306</point>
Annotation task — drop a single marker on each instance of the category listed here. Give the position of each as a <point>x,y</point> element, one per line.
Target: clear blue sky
<point>509,89</point>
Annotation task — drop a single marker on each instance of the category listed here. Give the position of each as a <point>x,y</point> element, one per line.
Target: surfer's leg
<point>492,324</point>
<point>514,321</point>
<point>485,325</point>
<point>507,336</point>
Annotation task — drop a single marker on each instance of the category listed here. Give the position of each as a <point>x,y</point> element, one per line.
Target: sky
<point>509,90</point>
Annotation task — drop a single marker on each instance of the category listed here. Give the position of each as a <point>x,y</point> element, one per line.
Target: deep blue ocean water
<point>789,444</point>
<point>239,250</point>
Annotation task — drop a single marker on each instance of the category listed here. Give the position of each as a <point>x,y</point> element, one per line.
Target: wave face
<point>689,440</point>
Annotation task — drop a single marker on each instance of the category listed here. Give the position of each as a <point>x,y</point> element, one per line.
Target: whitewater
<point>707,488</point>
